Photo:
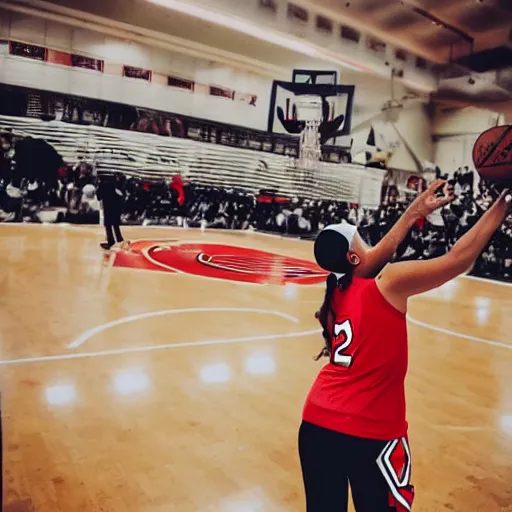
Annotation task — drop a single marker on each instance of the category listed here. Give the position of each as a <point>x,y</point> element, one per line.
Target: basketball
<point>492,155</point>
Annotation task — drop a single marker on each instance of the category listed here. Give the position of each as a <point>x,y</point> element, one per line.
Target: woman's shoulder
<point>371,297</point>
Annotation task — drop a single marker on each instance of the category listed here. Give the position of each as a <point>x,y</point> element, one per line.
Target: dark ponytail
<point>325,315</point>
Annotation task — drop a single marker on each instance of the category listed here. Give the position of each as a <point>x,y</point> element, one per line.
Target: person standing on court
<point>354,428</point>
<point>110,193</point>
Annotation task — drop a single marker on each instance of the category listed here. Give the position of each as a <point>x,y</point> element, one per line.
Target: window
<point>269,5</point>
<point>56,57</point>
<point>421,63</point>
<point>349,33</point>
<point>140,74</point>
<point>4,47</point>
<point>298,13</point>
<point>324,24</point>
<point>221,92</point>
<point>29,51</point>
<point>180,83</point>
<point>376,45</point>
<point>401,54</point>
<point>78,61</point>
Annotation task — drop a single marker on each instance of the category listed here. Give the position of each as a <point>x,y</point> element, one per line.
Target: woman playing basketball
<point>354,427</point>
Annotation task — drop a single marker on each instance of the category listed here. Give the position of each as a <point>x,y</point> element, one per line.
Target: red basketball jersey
<point>361,391</point>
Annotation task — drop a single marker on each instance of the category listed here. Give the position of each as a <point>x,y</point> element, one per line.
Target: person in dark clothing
<point>110,193</point>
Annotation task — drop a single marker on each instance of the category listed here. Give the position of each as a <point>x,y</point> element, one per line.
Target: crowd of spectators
<point>72,198</point>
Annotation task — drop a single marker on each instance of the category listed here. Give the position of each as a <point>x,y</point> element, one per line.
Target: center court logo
<point>219,261</point>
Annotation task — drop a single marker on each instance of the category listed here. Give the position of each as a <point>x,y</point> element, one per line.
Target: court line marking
<point>460,428</point>
<point>153,348</point>
<point>87,335</point>
<point>487,280</point>
<point>248,339</point>
<point>459,334</point>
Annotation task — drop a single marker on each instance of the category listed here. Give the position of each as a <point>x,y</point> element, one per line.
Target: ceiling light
<point>250,29</point>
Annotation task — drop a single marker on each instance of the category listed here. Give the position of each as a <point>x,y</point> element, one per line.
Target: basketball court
<point>177,384</point>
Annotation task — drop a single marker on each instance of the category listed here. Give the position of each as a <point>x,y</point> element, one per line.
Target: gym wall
<point>455,131</point>
<point>414,130</point>
<point>110,84</point>
<point>371,91</point>
<point>409,139</point>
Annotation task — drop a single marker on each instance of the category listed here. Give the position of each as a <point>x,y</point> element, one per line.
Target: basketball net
<point>309,110</point>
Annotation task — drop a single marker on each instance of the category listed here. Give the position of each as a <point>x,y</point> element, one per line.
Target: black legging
<point>112,223</point>
<point>330,461</point>
<point>111,230</point>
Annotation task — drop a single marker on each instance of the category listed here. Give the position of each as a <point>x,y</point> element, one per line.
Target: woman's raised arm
<point>399,281</point>
<point>380,255</point>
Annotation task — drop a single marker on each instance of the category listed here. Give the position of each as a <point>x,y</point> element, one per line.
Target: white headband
<point>348,231</point>
<point>345,229</point>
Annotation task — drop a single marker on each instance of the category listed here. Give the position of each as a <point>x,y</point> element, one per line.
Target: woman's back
<point>361,390</point>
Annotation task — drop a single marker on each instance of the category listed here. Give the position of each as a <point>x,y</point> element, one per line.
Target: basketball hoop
<point>309,110</point>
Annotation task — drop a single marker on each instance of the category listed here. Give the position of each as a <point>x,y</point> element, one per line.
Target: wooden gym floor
<point>152,391</point>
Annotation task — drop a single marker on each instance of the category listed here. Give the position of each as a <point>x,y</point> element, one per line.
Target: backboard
<point>309,76</point>
<point>337,103</point>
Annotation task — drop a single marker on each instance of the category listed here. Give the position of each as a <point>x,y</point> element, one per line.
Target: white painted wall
<point>409,139</point>
<point>28,73</point>
<point>452,152</point>
<point>463,121</point>
<point>210,26</point>
<point>414,129</point>
<point>456,131</point>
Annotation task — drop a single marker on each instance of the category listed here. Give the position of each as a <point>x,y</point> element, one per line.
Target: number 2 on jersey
<point>343,329</point>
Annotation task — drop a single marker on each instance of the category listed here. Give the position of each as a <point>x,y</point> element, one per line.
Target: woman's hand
<point>437,195</point>
<point>506,195</point>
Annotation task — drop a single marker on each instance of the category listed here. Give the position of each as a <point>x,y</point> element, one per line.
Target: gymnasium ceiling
<point>435,29</point>
<point>474,35</point>
<point>155,20</point>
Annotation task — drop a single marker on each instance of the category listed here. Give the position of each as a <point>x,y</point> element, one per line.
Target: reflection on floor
<point>165,378</point>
